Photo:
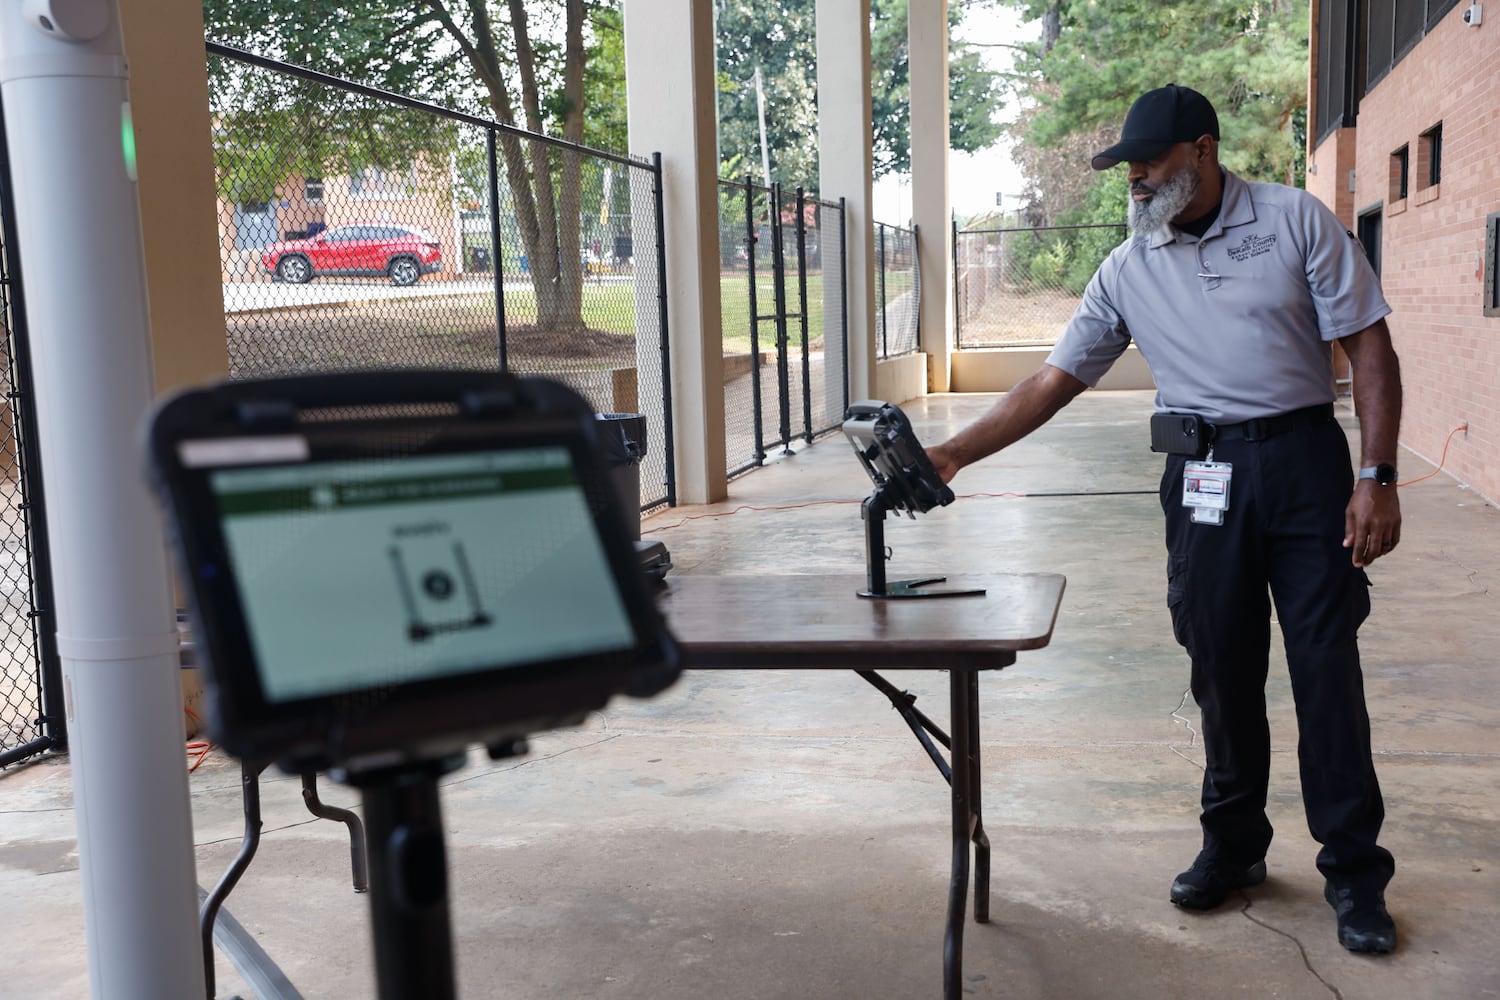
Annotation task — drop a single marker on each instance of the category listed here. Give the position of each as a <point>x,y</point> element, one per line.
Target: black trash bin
<point>623,439</point>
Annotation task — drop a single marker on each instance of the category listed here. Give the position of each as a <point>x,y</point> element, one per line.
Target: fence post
<point>669,447</point>
<point>958,339</point>
<point>884,328</point>
<point>750,240</point>
<point>497,253</point>
<point>916,283</point>
<point>778,286</point>
<point>843,300</point>
<point>807,427</point>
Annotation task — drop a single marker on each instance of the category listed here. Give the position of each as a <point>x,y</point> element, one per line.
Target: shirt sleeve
<point>1345,289</point>
<point>1096,336</point>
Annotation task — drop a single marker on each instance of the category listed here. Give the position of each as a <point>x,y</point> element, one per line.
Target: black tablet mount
<point>394,739</point>
<point>905,481</point>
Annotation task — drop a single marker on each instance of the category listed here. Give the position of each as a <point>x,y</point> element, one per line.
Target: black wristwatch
<point>1384,474</point>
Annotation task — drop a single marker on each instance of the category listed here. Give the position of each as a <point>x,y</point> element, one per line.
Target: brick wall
<point>1433,239</point>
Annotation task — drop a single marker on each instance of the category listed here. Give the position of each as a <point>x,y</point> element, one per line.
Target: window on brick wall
<point>1430,157</point>
<point>1399,175</point>
<point>1492,265</point>
<point>1370,223</point>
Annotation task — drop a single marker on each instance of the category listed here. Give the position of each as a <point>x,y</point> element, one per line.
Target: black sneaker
<point>1206,884</point>
<point>1364,925</point>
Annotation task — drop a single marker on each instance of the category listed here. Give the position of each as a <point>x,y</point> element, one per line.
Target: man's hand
<point>1034,401</point>
<point>1372,521</point>
<point>942,459</point>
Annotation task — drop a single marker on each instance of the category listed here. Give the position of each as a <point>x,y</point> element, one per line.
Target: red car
<point>366,249</point>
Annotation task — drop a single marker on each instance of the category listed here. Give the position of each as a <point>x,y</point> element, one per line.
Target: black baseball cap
<point>1157,120</point>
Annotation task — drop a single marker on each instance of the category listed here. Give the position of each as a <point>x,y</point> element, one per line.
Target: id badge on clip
<point>1205,489</point>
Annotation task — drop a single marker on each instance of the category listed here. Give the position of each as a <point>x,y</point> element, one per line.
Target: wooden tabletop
<point>821,622</point>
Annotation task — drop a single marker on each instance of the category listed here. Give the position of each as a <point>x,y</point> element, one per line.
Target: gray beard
<point>1168,202</point>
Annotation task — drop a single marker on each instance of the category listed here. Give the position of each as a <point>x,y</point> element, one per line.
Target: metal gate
<point>31,715</point>
<point>785,319</point>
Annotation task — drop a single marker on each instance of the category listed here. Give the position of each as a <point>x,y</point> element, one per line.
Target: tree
<point>780,41</point>
<point>471,54</point>
<point>1248,56</point>
<point>974,91</point>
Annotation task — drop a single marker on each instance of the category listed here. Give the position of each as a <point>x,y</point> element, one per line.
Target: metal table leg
<point>976,780</point>
<point>958,885</point>
<point>964,775</point>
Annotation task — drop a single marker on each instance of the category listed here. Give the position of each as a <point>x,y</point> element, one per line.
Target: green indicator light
<point>127,140</point>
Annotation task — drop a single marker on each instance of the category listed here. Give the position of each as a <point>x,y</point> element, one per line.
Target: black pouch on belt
<point>1179,434</point>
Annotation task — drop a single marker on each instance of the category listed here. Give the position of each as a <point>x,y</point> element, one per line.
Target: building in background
<point>1404,145</point>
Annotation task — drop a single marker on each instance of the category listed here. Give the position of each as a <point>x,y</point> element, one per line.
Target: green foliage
<point>782,44</point>
<point>1249,57</point>
<point>1066,258</point>
<point>1050,265</point>
<point>1106,206</point>
<point>782,48</point>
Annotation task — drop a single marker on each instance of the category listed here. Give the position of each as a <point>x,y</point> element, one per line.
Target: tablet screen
<point>359,574</point>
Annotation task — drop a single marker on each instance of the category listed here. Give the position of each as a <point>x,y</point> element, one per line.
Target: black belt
<point>1264,427</point>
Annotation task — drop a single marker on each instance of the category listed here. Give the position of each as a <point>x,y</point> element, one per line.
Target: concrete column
<point>179,213</point>
<point>931,209</point>
<point>669,77</point>
<point>846,166</point>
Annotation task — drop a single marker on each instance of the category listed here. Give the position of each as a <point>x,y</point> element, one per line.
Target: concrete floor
<point>780,834</point>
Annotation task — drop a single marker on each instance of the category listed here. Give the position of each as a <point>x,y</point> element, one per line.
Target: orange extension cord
<point>196,749</point>
<point>1443,458</point>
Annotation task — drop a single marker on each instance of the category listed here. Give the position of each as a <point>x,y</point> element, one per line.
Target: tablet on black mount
<point>392,566</point>
<point>905,481</point>
<point>386,568</point>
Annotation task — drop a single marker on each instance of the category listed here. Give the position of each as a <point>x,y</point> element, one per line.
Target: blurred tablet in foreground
<point>388,567</point>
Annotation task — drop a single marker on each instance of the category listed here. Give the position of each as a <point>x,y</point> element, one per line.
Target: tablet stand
<point>873,510</point>
<point>413,937</point>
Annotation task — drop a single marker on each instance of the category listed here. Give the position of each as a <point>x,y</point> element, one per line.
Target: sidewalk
<point>780,834</point>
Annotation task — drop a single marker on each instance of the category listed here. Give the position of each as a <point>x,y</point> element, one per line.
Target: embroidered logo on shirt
<point>1252,246</point>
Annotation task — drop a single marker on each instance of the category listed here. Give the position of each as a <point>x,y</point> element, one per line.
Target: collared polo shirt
<point>1238,324</point>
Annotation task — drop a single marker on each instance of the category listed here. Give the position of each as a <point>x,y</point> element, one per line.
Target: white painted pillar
<point>846,166</point>
<point>931,208</point>
<point>62,68</point>
<point>669,79</point>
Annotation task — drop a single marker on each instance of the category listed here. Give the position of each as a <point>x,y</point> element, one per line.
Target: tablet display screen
<point>374,572</point>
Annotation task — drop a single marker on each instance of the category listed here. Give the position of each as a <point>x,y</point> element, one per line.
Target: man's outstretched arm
<point>1032,403</point>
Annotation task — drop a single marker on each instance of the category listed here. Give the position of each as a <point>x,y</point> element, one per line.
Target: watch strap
<point>1374,472</point>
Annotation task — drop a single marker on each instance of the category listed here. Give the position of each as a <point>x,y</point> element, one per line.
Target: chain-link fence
<point>361,229</point>
<point>31,717</point>
<point>898,291</point>
<point>1019,287</point>
<point>784,309</point>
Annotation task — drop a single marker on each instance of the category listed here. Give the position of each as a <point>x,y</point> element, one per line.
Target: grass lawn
<point>611,307</point>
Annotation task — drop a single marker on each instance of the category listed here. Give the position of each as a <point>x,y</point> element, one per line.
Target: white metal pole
<point>760,112</point>
<point>63,80</point>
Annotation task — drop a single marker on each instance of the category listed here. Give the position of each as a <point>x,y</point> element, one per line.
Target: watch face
<point>1385,474</point>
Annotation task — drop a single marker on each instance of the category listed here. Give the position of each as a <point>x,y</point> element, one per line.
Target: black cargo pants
<point>1283,533</point>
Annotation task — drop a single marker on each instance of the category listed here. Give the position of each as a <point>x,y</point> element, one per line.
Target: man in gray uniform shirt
<point>1234,292</point>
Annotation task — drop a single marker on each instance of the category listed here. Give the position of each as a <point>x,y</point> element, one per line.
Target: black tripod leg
<point>209,911</point>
